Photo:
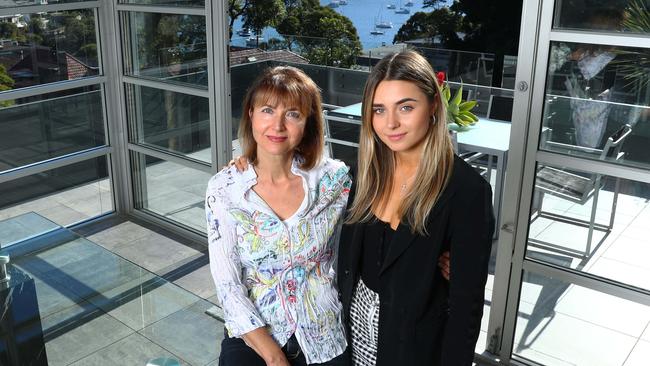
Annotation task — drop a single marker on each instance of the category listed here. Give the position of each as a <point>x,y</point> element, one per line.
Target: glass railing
<point>50,125</point>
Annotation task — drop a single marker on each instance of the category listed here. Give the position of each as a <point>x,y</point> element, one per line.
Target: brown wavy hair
<point>292,87</point>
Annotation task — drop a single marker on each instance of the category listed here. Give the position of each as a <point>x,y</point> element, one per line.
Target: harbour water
<point>364,14</point>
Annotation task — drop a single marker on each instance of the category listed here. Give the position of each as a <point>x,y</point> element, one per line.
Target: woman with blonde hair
<point>413,199</point>
<point>273,230</point>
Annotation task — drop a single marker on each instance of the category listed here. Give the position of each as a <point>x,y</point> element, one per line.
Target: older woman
<point>273,231</point>
<point>414,199</point>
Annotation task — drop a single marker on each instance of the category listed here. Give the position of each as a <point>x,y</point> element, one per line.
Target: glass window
<point>592,223</point>
<point>50,125</point>
<point>592,93</point>
<point>190,3</point>
<point>613,15</point>
<point>21,3</point>
<point>175,122</point>
<point>65,195</point>
<point>560,323</point>
<point>42,48</point>
<point>171,190</point>
<point>166,47</point>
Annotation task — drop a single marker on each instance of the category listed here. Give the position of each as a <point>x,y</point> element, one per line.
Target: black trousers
<point>234,352</point>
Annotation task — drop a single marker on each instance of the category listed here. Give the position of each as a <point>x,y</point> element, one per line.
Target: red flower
<point>440,75</point>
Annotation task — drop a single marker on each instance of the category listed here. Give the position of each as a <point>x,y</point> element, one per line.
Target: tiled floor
<point>125,296</point>
<point>558,324</point>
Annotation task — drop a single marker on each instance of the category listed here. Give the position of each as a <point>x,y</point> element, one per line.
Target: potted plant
<point>459,111</point>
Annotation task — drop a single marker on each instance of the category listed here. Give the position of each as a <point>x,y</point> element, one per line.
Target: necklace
<point>404,185</point>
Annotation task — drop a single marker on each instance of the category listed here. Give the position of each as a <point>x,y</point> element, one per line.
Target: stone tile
<point>53,297</point>
<point>86,191</point>
<point>596,307</point>
<point>91,206</point>
<point>622,272</point>
<point>189,333</point>
<point>123,233</point>
<point>64,215</point>
<point>98,275</point>
<point>131,350</point>
<point>198,282</point>
<point>22,227</point>
<point>630,250</point>
<point>174,201</point>
<point>569,236</point>
<point>639,355</point>
<point>83,329</point>
<point>143,304</point>
<point>646,333</point>
<point>193,217</point>
<point>154,252</point>
<point>574,341</point>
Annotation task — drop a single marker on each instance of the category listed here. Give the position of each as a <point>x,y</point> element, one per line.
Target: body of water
<point>364,14</point>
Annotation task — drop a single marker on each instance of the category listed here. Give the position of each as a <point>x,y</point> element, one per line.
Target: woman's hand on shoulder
<point>240,163</point>
<point>443,263</point>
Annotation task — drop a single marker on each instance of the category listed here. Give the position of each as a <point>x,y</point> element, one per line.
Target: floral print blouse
<point>275,273</point>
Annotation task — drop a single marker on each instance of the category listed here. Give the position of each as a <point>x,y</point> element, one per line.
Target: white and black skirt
<point>364,318</point>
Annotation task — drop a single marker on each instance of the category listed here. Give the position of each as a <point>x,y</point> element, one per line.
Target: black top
<point>426,320</point>
<point>376,240</point>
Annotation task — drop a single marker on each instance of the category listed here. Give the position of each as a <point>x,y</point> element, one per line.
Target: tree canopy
<point>441,23</point>
<point>319,33</point>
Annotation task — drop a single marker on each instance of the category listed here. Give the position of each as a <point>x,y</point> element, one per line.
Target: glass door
<point>577,227</point>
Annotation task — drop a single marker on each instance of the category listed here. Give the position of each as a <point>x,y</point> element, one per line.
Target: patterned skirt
<point>364,318</point>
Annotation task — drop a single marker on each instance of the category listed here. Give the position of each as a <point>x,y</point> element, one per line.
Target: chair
<point>578,188</point>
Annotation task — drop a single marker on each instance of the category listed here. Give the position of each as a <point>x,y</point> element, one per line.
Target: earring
<point>433,119</point>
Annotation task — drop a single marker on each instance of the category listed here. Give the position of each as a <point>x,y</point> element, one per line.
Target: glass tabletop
<point>97,306</point>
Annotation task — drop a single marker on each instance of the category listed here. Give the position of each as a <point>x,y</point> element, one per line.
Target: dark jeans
<point>234,352</point>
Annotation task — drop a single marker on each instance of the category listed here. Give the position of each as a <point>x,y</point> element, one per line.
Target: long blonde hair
<point>376,162</point>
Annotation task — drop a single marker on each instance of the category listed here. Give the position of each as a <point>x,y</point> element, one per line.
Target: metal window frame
<point>511,259</point>
<point>161,9</point>
<point>49,164</point>
<point>58,86</point>
<point>521,114</point>
<point>161,85</point>
<point>31,9</point>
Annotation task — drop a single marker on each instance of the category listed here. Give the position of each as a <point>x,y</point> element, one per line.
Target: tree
<point>325,36</point>
<point>491,27</point>
<point>443,23</point>
<point>257,14</point>
<point>6,83</point>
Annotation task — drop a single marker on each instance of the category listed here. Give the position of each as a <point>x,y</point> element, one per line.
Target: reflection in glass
<point>175,122</point>
<point>569,206</point>
<point>613,16</point>
<point>21,3</point>
<point>170,190</point>
<point>190,3</point>
<point>468,67</point>
<point>166,47</point>
<point>560,323</point>
<point>65,195</point>
<point>47,47</point>
<point>50,125</point>
<point>591,92</point>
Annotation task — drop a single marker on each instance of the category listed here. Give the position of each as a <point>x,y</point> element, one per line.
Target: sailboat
<point>402,11</point>
<point>376,32</point>
<point>391,6</point>
<point>384,24</point>
<point>409,3</point>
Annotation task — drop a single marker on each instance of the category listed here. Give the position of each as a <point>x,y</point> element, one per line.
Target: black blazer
<point>423,319</point>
